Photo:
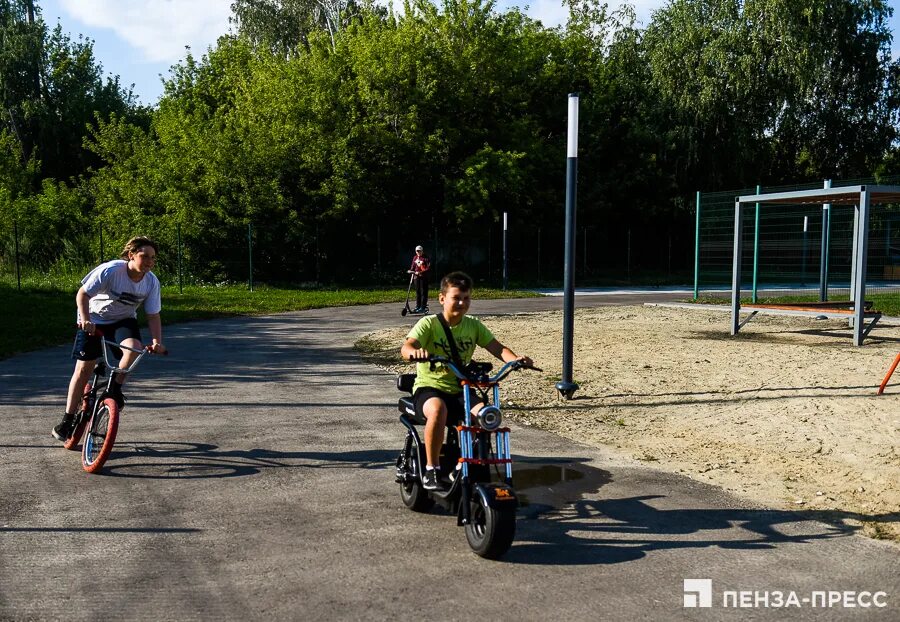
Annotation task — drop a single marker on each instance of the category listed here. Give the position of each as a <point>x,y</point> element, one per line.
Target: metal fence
<point>784,252</point>
<point>620,250</point>
<point>364,254</point>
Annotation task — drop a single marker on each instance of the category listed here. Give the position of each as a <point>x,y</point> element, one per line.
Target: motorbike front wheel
<point>490,531</point>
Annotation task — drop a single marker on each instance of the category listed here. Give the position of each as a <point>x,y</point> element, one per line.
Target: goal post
<point>861,198</point>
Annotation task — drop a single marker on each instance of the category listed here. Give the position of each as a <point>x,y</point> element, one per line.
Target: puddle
<point>544,476</point>
<point>541,489</point>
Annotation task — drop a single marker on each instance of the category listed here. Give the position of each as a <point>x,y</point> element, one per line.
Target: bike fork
<point>465,502</point>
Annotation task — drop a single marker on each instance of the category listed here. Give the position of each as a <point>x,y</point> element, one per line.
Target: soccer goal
<point>860,199</point>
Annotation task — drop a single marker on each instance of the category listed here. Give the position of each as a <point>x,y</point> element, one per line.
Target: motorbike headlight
<point>489,418</point>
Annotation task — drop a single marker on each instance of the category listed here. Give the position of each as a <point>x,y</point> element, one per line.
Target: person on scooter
<point>421,271</point>
<point>437,393</point>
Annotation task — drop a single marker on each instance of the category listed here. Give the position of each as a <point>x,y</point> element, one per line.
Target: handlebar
<point>140,352</point>
<point>503,372</point>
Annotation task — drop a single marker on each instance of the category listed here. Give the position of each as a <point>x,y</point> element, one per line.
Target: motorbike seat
<point>406,406</point>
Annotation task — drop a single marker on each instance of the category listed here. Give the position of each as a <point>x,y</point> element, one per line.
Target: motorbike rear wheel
<point>411,492</point>
<point>415,498</point>
<point>490,531</point>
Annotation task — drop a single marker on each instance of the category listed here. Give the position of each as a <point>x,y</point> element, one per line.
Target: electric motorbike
<point>475,457</point>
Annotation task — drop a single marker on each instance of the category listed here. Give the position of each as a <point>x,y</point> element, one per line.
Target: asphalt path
<point>253,479</point>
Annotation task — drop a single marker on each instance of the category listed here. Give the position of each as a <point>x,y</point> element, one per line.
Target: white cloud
<point>158,29</point>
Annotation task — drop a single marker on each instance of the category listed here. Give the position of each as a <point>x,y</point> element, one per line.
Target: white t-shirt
<point>114,296</point>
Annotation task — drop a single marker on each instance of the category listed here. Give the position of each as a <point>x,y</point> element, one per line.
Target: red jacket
<point>420,265</point>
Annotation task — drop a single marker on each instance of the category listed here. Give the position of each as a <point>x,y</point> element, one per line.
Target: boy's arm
<point>412,349</point>
<point>82,299</point>
<point>155,325</point>
<point>505,354</point>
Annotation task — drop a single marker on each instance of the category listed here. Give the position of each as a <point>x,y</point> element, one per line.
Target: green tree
<point>284,26</point>
<point>443,116</point>
<point>839,115</point>
<point>51,92</point>
<point>21,53</point>
<point>51,88</point>
<point>765,89</point>
<point>16,177</point>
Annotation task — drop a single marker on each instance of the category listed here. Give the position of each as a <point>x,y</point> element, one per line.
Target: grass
<point>888,304</point>
<point>43,312</point>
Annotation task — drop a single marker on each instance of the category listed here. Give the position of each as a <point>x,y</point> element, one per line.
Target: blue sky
<point>139,40</point>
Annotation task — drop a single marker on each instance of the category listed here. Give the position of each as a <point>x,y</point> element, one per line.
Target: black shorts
<point>88,347</point>
<point>456,405</point>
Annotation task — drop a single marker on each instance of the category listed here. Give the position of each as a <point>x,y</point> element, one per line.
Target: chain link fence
<point>362,254</point>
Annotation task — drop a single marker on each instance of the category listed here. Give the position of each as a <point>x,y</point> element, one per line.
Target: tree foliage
<point>320,121</point>
<point>285,26</point>
<point>51,91</point>
<point>759,89</point>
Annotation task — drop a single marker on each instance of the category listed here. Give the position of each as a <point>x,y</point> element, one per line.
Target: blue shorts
<point>88,347</point>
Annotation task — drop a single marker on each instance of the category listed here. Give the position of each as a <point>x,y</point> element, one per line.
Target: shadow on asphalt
<point>620,530</point>
<point>564,518</point>
<point>566,521</point>
<point>204,460</point>
<point>261,353</point>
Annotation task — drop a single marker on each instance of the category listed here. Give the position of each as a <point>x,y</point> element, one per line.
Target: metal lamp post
<point>567,386</point>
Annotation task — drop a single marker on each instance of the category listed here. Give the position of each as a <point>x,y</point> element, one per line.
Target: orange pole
<point>888,376</point>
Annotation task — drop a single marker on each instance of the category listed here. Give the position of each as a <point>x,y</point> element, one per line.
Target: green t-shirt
<point>430,335</point>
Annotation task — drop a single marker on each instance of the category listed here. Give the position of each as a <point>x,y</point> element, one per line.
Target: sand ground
<point>784,414</point>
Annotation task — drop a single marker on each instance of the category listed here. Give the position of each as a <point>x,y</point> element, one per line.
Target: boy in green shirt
<point>437,393</point>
